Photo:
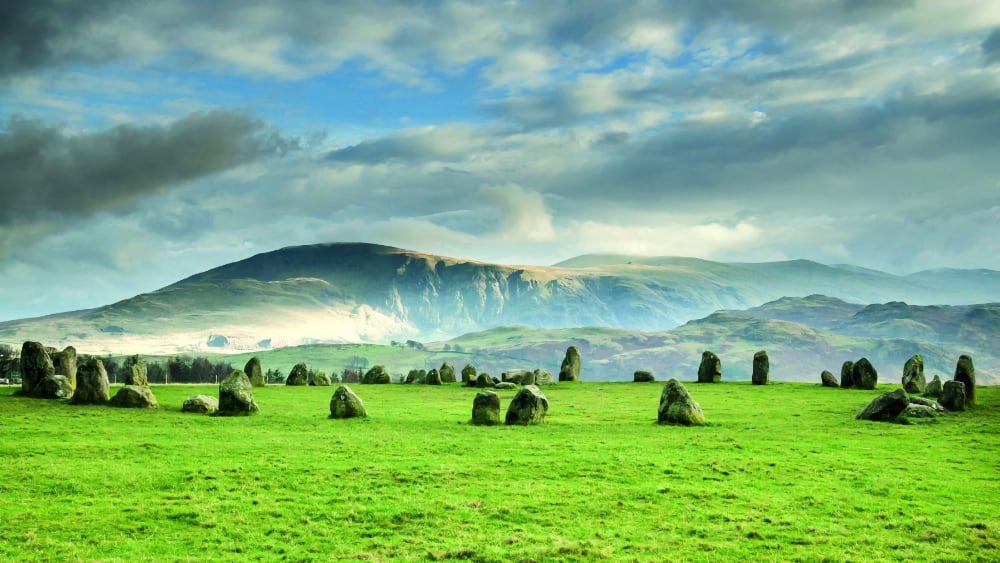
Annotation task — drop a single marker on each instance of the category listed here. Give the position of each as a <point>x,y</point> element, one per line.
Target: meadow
<point>784,472</point>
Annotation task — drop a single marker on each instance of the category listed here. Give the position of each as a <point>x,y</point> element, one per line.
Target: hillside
<point>353,292</point>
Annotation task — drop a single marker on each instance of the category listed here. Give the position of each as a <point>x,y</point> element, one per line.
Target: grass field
<point>784,472</point>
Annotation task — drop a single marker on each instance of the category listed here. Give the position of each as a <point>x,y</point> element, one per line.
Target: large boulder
<point>761,368</point>
<point>253,371</point>
<point>134,397</point>
<point>847,375</point>
<point>236,395</point>
<point>935,387</point>
<point>966,373</point>
<point>468,374</point>
<point>64,363</point>
<point>865,376</point>
<point>518,376</point>
<point>447,373</point>
<point>643,376</point>
<point>345,404</point>
<point>137,374</point>
<point>570,368</point>
<point>377,375</point>
<point>886,407</point>
<point>914,381</point>
<point>433,377</point>
<point>416,376</point>
<point>528,406</point>
<point>321,379</point>
<point>677,406</point>
<point>202,404</point>
<point>299,376</point>
<point>828,379</point>
<point>953,396</point>
<point>486,409</point>
<point>54,387</point>
<point>543,377</point>
<point>35,365</point>
<point>484,381</point>
<point>710,369</point>
<point>92,386</point>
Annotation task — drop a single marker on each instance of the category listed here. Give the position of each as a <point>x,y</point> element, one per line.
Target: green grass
<point>784,472</point>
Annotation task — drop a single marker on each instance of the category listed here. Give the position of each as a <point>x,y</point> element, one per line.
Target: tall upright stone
<point>847,375</point>
<point>865,376</point>
<point>35,366</point>
<point>761,368</point>
<point>136,374</point>
<point>486,409</point>
<point>935,387</point>
<point>914,381</point>
<point>92,386</point>
<point>570,368</point>
<point>64,363</point>
<point>953,396</point>
<point>254,373</point>
<point>377,375</point>
<point>447,373</point>
<point>236,396</point>
<point>299,376</point>
<point>710,369</point>
<point>469,374</point>
<point>966,373</point>
<point>433,377</point>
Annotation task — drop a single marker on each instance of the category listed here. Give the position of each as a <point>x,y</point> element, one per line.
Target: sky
<point>142,142</point>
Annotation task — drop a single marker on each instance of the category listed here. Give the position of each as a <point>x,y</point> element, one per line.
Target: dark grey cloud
<point>991,47</point>
<point>40,33</point>
<point>50,174</point>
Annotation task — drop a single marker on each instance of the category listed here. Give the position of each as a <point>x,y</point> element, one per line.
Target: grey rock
<point>486,409</point>
<point>35,366</point>
<point>137,374</point>
<point>935,387</point>
<point>761,368</point>
<point>570,368</point>
<point>953,396</point>
<point>529,406</point>
<point>710,369</point>
<point>134,397</point>
<point>321,379</point>
<point>254,372</point>
<point>865,376</point>
<point>677,406</point>
<point>92,386</point>
<point>346,404</point>
<point>64,363</point>
<point>966,373</point>
<point>847,375</point>
<point>886,407</point>
<point>236,395</point>
<point>543,377</point>
<point>828,379</point>
<point>54,387</point>
<point>377,375</point>
<point>483,380</point>
<point>643,376</point>
<point>299,376</point>
<point>914,381</point>
<point>915,414</point>
<point>202,404</point>
<point>505,385</point>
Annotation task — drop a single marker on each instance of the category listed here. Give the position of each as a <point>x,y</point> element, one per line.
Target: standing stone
<point>433,377</point>
<point>345,404</point>
<point>236,396</point>
<point>377,375</point>
<point>447,373</point>
<point>543,377</point>
<point>64,363</point>
<point>529,406</point>
<point>137,374</point>
<point>914,381</point>
<point>92,386</point>
<point>677,406</point>
<point>885,408</point>
<point>253,371</point>
<point>486,409</point>
<point>468,374</point>
<point>321,379</point>
<point>483,380</point>
<point>865,376</point>
<point>528,378</point>
<point>828,379</point>
<point>416,376</point>
<point>202,404</point>
<point>570,368</point>
<point>710,369</point>
<point>935,387</point>
<point>966,373</point>
<point>847,375</point>
<point>299,376</point>
<point>54,387</point>
<point>134,397</point>
<point>761,368</point>
<point>643,376</point>
<point>35,366</point>
<point>953,396</point>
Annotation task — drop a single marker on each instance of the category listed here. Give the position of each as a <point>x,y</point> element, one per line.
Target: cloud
<point>522,212</point>
<point>51,177</point>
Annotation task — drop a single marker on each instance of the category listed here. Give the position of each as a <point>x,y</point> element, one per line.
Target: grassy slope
<point>784,472</point>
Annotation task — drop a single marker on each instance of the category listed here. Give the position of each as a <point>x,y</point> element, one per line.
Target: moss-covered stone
<point>865,376</point>
<point>518,376</point>
<point>486,409</point>
<point>886,407</point>
<point>468,374</point>
<point>677,406</point>
<point>953,396</point>
<point>643,376</point>
<point>346,404</point>
<point>299,376</point>
<point>966,373</point>
<point>543,377</point>
<point>828,379</point>
<point>484,381</point>
<point>417,376</point>
<point>433,377</point>
<point>570,368</point>
<point>847,375</point>
<point>134,397</point>
<point>321,379</point>
<point>917,414</point>
<point>447,373</point>
<point>92,386</point>
<point>236,396</point>
<point>529,406</point>
<point>761,368</point>
<point>914,381</point>
<point>935,387</point>
<point>254,372</point>
<point>710,369</point>
<point>377,375</point>
<point>35,366</point>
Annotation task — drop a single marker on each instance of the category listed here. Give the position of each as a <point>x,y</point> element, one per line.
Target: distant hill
<point>355,292</point>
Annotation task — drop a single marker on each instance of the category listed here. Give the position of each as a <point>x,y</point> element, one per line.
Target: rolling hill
<point>355,292</point>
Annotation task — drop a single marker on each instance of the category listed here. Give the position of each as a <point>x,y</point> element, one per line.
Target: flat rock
<point>886,407</point>
<point>505,385</point>
<point>203,404</point>
<point>134,397</point>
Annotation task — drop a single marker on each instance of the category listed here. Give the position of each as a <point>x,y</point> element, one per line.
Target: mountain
<point>355,292</point>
